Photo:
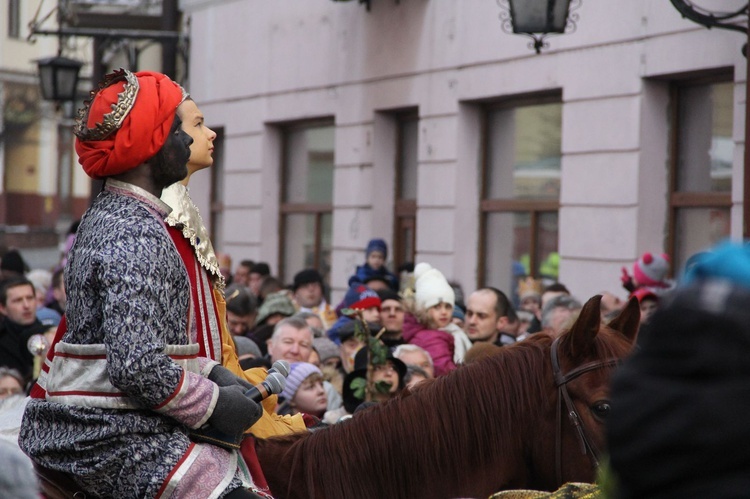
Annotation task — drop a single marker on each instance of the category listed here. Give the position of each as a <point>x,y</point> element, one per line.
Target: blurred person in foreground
<point>678,426</point>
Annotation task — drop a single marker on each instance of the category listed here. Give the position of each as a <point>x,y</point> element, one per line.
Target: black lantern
<point>58,77</point>
<point>538,18</point>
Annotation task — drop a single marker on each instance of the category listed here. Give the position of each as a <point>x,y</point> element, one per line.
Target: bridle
<point>561,381</point>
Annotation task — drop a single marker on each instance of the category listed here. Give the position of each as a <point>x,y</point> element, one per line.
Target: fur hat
<point>377,245</point>
<point>431,287</point>
<point>298,372</point>
<point>360,297</point>
<point>651,269</point>
<point>275,303</point>
<point>307,276</point>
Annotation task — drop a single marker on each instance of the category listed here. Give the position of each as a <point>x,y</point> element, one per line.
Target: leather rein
<point>561,381</point>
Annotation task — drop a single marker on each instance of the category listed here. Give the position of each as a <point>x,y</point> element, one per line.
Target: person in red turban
<point>126,375</point>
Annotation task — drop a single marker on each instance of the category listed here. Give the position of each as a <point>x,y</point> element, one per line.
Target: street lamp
<point>538,19</point>
<point>735,20</point>
<point>58,77</point>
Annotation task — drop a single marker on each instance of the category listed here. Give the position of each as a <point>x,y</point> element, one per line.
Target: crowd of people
<point>170,335</point>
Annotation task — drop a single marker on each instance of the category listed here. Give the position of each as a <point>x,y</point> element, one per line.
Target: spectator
<point>308,294</point>
<point>304,391</point>
<point>225,266</point>
<point>559,313</point>
<point>413,355</point>
<point>392,317</point>
<point>677,426</point>
<point>242,274</point>
<point>291,341</point>
<point>313,320</point>
<point>429,324</point>
<point>19,323</point>
<point>649,303</point>
<point>241,310</point>
<point>12,265</point>
<point>258,273</point>
<point>487,316</point>
<point>414,376</point>
<point>276,307</point>
<point>391,372</point>
<point>376,254</point>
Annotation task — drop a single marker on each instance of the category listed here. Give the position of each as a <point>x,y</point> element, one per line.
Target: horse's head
<point>583,359</point>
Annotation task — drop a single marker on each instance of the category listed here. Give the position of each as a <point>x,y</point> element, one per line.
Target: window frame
<point>319,210</point>
<point>487,206</point>
<point>681,200</point>
<point>404,210</point>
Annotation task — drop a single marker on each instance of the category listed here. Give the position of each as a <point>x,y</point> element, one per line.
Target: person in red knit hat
<point>651,272</point>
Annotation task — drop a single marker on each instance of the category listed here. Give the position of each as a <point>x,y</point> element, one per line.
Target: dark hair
<point>57,278</point>
<point>239,300</point>
<point>270,285</point>
<point>503,307</point>
<point>556,287</point>
<point>249,264</point>
<point>261,268</point>
<point>13,282</point>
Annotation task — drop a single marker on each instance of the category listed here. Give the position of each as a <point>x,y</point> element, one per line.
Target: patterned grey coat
<point>126,382</point>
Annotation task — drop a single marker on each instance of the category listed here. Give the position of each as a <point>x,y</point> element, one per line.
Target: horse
<point>492,425</point>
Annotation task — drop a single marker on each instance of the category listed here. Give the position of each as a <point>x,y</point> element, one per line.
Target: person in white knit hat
<point>429,322</point>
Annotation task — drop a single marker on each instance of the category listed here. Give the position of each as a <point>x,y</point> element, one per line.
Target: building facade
<point>422,122</point>
<point>41,189</point>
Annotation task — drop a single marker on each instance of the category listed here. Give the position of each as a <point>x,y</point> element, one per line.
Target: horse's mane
<point>482,398</point>
<point>461,424</point>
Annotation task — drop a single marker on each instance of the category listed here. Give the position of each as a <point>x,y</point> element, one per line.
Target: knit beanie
<point>377,245</point>
<point>298,372</point>
<point>246,346</point>
<point>360,297</point>
<point>326,348</point>
<point>275,303</point>
<point>651,269</point>
<point>431,287</point>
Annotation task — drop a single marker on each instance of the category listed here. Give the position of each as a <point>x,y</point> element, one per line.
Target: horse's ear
<point>628,321</point>
<point>585,328</point>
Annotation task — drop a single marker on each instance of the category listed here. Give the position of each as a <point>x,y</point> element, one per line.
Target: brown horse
<point>492,425</point>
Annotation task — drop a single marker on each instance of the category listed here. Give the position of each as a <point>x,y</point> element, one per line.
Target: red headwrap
<point>143,132</point>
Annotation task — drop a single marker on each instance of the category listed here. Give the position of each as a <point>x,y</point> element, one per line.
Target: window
<point>405,209</point>
<point>520,192</point>
<point>700,161</point>
<point>307,198</point>
<point>14,18</point>
<point>216,194</point>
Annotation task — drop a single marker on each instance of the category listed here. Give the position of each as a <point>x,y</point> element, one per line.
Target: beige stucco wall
<point>256,63</point>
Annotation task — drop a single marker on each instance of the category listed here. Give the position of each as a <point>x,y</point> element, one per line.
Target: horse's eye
<point>601,409</point>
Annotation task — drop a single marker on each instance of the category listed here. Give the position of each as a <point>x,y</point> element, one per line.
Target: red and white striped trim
<point>78,375</point>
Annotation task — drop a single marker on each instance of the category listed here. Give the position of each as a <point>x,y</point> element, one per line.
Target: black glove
<point>224,377</point>
<point>234,412</point>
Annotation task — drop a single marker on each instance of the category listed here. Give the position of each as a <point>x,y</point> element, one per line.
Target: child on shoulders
<point>376,255</point>
<point>429,324</point>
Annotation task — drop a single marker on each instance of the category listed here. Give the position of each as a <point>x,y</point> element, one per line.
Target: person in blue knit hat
<point>374,271</point>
